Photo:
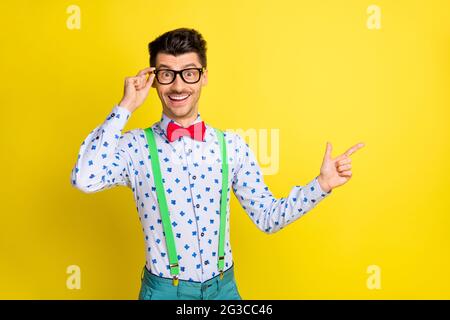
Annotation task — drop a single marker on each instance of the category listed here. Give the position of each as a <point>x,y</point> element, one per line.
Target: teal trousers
<point>154,287</point>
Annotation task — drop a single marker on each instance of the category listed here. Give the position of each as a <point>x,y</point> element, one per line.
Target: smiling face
<point>187,108</point>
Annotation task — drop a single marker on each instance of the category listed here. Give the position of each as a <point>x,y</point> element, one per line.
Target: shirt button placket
<point>197,205</point>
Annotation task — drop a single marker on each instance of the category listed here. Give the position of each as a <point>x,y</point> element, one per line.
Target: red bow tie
<point>195,131</point>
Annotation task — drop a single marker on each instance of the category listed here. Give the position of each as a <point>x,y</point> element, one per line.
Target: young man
<point>175,170</point>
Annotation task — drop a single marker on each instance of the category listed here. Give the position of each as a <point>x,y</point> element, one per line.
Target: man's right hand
<point>136,89</point>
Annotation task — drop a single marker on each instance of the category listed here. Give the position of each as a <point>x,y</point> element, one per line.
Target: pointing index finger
<point>354,148</point>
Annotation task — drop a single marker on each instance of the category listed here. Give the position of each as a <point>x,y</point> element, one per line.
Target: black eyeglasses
<point>167,76</point>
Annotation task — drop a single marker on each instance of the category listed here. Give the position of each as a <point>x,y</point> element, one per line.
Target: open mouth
<point>177,99</point>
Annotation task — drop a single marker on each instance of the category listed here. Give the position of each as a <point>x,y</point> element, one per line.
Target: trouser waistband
<point>152,279</point>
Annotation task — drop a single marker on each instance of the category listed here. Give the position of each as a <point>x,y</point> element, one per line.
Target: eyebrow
<point>188,65</point>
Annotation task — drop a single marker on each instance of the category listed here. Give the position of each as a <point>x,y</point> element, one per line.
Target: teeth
<point>178,97</point>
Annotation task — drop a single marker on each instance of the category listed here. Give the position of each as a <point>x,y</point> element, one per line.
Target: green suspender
<point>223,201</point>
<point>163,208</point>
<point>161,195</point>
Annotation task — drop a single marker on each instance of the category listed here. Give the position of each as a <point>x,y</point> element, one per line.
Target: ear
<point>205,78</point>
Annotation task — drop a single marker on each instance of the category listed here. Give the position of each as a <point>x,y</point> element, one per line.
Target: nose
<point>178,83</point>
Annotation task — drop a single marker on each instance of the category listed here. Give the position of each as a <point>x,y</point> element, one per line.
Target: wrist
<point>126,105</point>
<point>323,185</point>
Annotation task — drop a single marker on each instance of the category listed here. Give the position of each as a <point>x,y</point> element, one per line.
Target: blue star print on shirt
<point>192,176</point>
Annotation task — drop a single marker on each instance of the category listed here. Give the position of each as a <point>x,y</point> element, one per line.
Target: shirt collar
<point>165,120</point>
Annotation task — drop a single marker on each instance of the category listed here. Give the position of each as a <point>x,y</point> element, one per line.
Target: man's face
<point>189,106</point>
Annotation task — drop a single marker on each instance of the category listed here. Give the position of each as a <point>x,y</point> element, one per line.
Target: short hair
<point>177,42</point>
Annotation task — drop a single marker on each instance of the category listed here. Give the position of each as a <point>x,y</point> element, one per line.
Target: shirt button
<point>197,205</point>
<point>194,177</point>
<point>202,234</point>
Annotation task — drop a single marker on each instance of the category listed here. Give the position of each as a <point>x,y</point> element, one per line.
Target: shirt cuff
<point>118,117</point>
<point>314,192</point>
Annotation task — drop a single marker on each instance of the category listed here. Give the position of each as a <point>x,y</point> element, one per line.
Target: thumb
<point>328,151</point>
<point>149,82</point>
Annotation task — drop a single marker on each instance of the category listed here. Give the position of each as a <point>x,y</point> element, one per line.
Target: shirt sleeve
<point>270,214</point>
<point>103,160</point>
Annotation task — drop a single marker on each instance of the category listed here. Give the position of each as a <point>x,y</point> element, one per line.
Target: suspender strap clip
<point>221,262</point>
<point>175,280</point>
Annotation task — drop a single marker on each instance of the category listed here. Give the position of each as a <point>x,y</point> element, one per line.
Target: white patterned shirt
<point>191,172</point>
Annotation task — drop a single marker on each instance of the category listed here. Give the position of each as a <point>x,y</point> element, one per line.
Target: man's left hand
<point>335,172</point>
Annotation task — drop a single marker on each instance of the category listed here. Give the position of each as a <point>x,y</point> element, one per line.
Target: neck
<point>185,121</point>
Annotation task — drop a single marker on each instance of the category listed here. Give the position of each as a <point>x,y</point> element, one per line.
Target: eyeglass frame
<point>201,70</point>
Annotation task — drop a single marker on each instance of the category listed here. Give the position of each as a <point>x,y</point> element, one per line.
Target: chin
<point>180,111</point>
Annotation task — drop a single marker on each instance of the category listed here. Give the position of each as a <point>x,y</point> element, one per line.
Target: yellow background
<point>310,68</point>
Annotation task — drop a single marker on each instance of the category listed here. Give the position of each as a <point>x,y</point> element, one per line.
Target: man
<point>175,170</point>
